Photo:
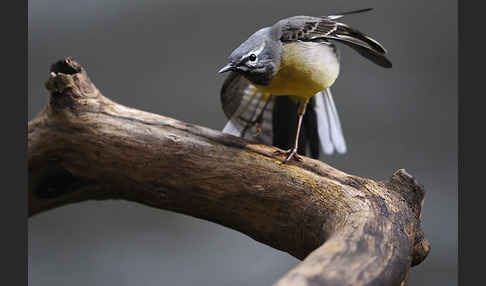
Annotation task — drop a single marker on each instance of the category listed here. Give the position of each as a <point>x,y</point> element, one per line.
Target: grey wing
<point>304,28</point>
<point>248,110</point>
<point>307,28</point>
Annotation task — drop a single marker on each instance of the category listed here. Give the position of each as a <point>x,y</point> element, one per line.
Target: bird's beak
<point>226,68</point>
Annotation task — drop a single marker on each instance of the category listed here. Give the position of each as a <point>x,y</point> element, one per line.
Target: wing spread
<point>248,110</point>
<point>307,28</point>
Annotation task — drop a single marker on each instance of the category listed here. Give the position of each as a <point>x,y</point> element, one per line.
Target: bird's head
<point>257,58</point>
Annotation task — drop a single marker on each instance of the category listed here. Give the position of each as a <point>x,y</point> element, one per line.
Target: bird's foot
<point>258,129</point>
<point>291,153</point>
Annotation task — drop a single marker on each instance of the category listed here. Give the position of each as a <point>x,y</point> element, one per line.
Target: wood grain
<point>347,230</point>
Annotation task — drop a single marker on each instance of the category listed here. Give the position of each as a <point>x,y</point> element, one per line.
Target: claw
<point>259,129</point>
<point>291,153</point>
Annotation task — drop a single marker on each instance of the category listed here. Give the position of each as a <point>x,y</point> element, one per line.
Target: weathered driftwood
<point>348,230</point>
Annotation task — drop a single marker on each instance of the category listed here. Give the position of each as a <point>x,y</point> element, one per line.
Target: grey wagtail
<point>280,70</point>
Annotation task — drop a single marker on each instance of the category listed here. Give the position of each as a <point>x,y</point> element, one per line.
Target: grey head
<point>257,58</point>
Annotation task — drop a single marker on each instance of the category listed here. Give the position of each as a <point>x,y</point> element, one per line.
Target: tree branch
<point>349,230</point>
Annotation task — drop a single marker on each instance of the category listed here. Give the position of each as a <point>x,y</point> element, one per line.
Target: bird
<point>283,70</point>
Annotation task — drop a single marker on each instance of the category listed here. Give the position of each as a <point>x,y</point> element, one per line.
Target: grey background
<point>162,56</point>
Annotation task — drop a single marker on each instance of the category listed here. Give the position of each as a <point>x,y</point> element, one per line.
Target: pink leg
<point>292,153</point>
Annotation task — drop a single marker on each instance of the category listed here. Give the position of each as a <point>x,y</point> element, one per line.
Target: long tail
<point>329,128</point>
<point>340,15</point>
<point>359,41</point>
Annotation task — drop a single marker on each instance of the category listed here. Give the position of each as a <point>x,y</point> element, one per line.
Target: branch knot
<point>68,83</point>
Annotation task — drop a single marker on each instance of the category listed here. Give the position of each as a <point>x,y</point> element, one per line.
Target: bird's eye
<point>252,58</point>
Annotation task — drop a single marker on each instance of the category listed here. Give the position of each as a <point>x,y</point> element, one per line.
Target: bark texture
<point>347,230</point>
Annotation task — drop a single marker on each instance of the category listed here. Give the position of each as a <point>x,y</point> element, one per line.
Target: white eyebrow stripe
<point>256,52</point>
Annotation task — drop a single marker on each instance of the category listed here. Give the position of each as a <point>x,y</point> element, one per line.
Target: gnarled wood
<point>349,230</point>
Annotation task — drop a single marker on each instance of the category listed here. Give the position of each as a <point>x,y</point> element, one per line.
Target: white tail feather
<point>323,124</point>
<point>231,129</point>
<point>328,124</point>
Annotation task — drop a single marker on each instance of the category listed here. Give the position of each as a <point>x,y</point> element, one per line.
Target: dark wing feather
<point>310,128</point>
<point>247,109</point>
<point>340,15</point>
<point>377,58</point>
<point>284,123</point>
<point>232,93</point>
<point>285,126</point>
<point>362,43</point>
<point>306,28</point>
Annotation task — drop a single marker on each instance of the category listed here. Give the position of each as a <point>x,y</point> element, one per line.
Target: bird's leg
<point>292,153</point>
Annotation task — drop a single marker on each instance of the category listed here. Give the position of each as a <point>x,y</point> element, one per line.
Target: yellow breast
<point>306,68</point>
